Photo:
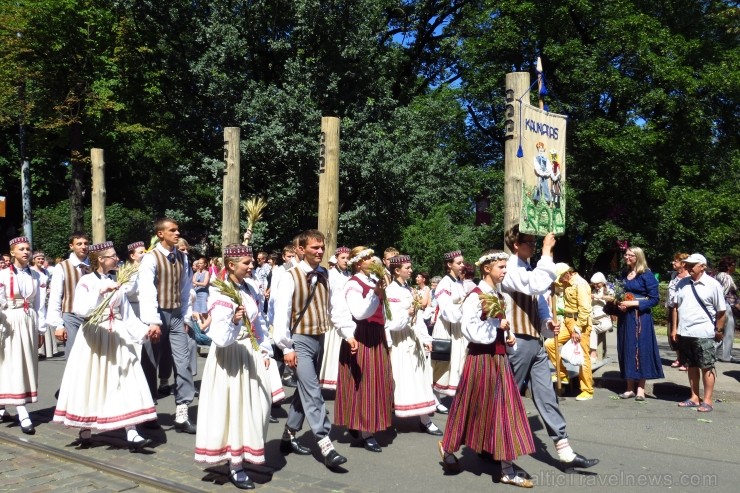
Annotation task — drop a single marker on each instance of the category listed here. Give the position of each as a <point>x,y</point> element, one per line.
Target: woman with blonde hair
<point>637,346</point>
<point>365,382</point>
<point>104,387</point>
<point>234,409</point>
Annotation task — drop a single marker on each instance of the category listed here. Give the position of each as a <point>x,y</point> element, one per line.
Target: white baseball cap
<point>696,258</point>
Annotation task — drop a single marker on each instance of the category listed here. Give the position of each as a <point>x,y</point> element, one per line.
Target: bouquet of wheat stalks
<point>126,274</point>
<point>378,271</point>
<point>229,290</point>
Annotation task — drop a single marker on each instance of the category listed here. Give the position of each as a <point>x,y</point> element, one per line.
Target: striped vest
<point>72,274</point>
<point>167,280</point>
<point>525,319</point>
<point>315,320</point>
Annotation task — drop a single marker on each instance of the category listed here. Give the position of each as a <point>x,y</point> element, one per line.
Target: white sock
<point>22,413</point>
<point>181,413</point>
<point>565,453</point>
<point>132,435</point>
<point>236,466</point>
<point>2,412</point>
<point>326,446</point>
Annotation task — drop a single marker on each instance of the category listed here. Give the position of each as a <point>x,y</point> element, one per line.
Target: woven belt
<point>571,315</point>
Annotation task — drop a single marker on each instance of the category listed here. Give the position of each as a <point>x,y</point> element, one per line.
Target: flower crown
<point>492,256</point>
<point>364,253</point>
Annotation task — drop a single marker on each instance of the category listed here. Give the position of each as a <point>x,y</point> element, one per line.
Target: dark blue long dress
<point>637,346</point>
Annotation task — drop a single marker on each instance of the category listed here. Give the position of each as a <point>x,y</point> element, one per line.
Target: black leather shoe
<point>137,446</point>
<point>185,427</point>
<point>333,459</point>
<point>425,429</point>
<point>371,445</point>
<point>353,433</point>
<point>151,425</point>
<point>292,445</point>
<point>245,484</point>
<point>7,418</point>
<point>442,410</point>
<point>580,462</point>
<point>273,419</point>
<point>28,429</point>
<point>164,390</point>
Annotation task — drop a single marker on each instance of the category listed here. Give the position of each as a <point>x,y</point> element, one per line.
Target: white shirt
<point>26,284</point>
<point>692,319</point>
<point>56,290</point>
<point>224,332</point>
<point>148,304</point>
<point>400,299</point>
<point>473,328</point>
<point>520,278</point>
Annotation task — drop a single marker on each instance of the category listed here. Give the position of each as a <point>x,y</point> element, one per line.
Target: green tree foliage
<point>650,88</point>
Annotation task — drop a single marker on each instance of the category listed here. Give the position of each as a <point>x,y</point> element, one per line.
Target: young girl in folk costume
<point>235,390</point>
<point>449,294</point>
<point>487,414</point>
<point>411,342</point>
<point>38,260</point>
<point>365,388</point>
<point>22,317</point>
<point>103,387</point>
<point>338,277</point>
<point>136,251</point>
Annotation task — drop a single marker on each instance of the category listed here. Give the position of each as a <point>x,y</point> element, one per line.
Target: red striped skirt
<point>364,399</point>
<point>488,413</point>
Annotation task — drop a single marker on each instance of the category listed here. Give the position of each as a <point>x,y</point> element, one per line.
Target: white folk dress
<point>235,395</point>
<point>411,366</point>
<point>449,294</point>
<point>332,339</point>
<point>103,387</point>
<point>21,319</point>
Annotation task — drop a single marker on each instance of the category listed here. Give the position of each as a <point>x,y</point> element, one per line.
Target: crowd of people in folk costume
<point>358,328</point>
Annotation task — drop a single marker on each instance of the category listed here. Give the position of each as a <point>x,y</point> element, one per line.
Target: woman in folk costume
<point>410,345</point>
<point>365,389</point>
<point>103,387</point>
<point>338,277</point>
<point>234,409</point>
<point>488,414</point>
<point>49,348</point>
<point>136,251</point>
<point>450,293</point>
<point>22,317</point>
<point>273,373</point>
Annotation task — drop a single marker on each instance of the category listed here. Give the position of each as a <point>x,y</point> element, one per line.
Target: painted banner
<point>542,160</point>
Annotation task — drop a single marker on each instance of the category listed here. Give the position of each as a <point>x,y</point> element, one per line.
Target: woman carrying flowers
<point>103,387</point>
<point>637,347</point>
<point>365,384</point>
<point>235,398</point>
<point>488,414</point>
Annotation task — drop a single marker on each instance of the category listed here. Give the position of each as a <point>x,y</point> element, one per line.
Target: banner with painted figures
<point>541,156</point>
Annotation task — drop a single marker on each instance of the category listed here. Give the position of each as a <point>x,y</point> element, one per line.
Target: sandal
<point>688,403</point>
<point>705,408</point>
<point>517,480</point>
<point>675,364</point>
<point>627,395</point>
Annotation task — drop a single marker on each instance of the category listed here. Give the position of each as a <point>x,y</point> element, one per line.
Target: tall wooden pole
<point>516,85</point>
<point>97,158</point>
<point>329,184</point>
<point>232,179</point>
<point>25,169</point>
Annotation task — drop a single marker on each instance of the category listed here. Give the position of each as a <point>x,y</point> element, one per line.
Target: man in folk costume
<point>21,332</point>
<point>164,300</point>
<point>64,278</point>
<point>338,276</point>
<point>529,313</point>
<point>303,306</point>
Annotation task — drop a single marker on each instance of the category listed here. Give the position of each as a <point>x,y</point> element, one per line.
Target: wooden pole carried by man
<point>232,186</point>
